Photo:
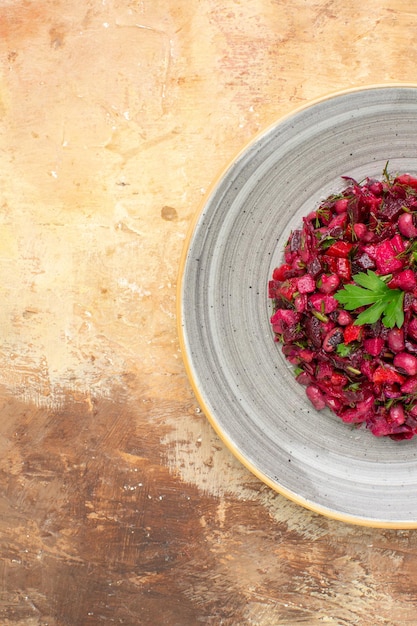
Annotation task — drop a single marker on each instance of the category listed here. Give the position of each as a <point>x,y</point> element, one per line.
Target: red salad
<point>345,304</point>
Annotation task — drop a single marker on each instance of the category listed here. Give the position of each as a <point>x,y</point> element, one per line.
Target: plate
<point>241,380</point>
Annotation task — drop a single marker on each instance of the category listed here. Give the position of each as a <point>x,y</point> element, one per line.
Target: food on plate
<point>345,304</point>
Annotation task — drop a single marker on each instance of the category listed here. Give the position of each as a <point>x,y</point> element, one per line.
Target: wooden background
<point>118,503</point>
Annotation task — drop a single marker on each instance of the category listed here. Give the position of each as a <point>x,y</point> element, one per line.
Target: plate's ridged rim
<point>335,515</point>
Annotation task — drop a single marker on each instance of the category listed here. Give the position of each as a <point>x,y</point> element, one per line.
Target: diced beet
<point>323,303</point>
<point>406,179</point>
<point>316,397</point>
<point>291,351</point>
<point>293,359</point>
<point>395,339</point>
<point>330,263</point>
<point>313,329</point>
<point>408,302</point>
<point>283,318</point>
<point>350,416</point>
<point>371,201</point>
<point>337,224</point>
<point>287,289</point>
<point>374,346</point>
<point>367,370</point>
<point>380,427</point>
<point>392,207</point>
<point>308,246</point>
<point>341,205</point>
<point>385,374</point>
<point>295,240</point>
<point>272,284</point>
<point>386,258</point>
<point>360,230</point>
<point>340,249</point>
<point>366,405</point>
<point>307,356</point>
<point>365,262</point>
<point>324,370</point>
<point>410,385</point>
<point>398,191</point>
<point>352,333</point>
<point>297,268</point>
<point>314,267</point>
<point>328,283</point>
<point>306,284</point>
<point>392,390</point>
<point>358,414</point>
<point>338,379</point>
<point>311,216</point>
<point>404,280</point>
<point>412,328</point>
<point>410,346</point>
<point>370,250</point>
<point>343,269</point>
<point>398,244</point>
<point>280,273</point>
<point>402,433</point>
<point>334,404</point>
<point>376,187</point>
<point>300,303</point>
<point>405,362</point>
<point>304,378</point>
<point>292,334</point>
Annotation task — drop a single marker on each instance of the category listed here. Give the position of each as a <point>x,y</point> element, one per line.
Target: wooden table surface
<point>118,503</point>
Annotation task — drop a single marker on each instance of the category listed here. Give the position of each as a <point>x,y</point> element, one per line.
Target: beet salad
<point>345,304</point>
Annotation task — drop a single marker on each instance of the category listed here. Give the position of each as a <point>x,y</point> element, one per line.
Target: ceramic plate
<point>243,383</point>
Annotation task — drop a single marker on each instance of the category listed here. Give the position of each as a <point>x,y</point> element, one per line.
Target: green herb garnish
<point>372,290</point>
<point>344,349</point>
<point>385,173</point>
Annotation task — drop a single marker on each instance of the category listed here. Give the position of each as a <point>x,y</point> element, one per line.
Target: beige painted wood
<point>118,503</point>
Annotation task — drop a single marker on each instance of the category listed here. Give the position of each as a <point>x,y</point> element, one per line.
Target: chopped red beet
<point>352,333</point>
<point>306,284</point>
<point>364,372</point>
<point>385,374</point>
<point>282,272</point>
<point>284,318</point>
<point>343,269</point>
<point>405,280</point>
<point>300,303</point>
<point>410,385</point>
<point>328,284</point>
<point>316,397</point>
<point>407,180</point>
<point>374,345</point>
<point>340,249</point>
<point>323,303</point>
<point>386,258</point>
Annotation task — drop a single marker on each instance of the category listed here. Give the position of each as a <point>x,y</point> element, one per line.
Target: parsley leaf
<point>373,290</point>
<point>343,349</point>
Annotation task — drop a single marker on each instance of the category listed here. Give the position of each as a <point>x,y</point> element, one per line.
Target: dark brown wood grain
<point>95,529</point>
